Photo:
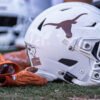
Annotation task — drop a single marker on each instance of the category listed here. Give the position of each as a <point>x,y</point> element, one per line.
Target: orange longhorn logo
<point>66,25</point>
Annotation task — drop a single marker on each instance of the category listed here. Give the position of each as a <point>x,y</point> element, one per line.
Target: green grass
<point>51,91</point>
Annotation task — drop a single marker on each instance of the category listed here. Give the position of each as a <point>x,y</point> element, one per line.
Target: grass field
<point>51,91</point>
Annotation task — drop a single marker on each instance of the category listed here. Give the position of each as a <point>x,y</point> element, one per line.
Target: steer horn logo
<point>66,25</point>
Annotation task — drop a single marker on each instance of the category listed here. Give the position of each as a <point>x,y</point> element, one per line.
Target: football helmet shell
<point>64,41</point>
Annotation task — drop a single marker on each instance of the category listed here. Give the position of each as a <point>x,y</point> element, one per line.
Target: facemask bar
<point>90,47</point>
<point>95,74</point>
<point>94,77</point>
<point>98,51</point>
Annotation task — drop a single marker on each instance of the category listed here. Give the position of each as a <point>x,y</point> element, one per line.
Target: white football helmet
<point>64,43</point>
<point>14,21</point>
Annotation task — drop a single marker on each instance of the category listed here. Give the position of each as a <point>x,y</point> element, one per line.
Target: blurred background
<point>15,18</point>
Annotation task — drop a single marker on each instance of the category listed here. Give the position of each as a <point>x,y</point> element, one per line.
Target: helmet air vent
<point>68,62</point>
<point>41,24</point>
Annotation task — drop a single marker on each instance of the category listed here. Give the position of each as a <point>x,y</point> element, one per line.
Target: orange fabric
<point>17,76</point>
<point>22,78</point>
<point>7,67</point>
<point>18,57</point>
